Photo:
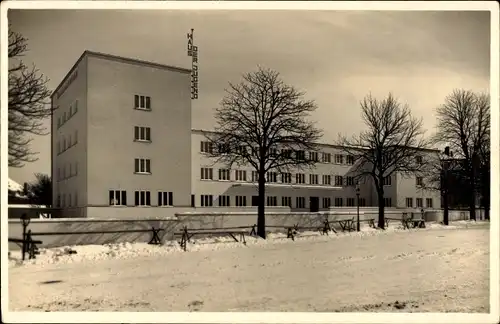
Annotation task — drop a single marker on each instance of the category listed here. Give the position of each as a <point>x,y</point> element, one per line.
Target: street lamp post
<point>25,221</point>
<point>357,206</point>
<point>446,166</point>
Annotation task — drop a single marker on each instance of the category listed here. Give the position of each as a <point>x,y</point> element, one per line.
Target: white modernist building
<point>122,146</point>
<point>330,183</point>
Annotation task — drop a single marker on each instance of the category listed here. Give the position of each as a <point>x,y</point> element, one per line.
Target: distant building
<point>122,145</point>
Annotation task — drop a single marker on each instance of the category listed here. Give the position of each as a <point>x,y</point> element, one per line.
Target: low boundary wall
<point>83,224</point>
<point>195,220</point>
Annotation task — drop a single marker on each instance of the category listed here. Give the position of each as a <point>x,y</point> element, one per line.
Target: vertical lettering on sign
<point>192,51</point>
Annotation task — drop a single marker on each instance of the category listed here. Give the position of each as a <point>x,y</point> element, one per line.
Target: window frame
<point>206,174</point>
<point>409,199</point>
<point>142,130</point>
<point>161,199</point>
<point>141,102</point>
<point>146,164</point>
<point>112,193</point>
<point>206,200</point>
<point>300,202</point>
<point>141,198</point>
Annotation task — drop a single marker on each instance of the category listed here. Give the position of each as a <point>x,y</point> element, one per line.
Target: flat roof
<point>118,59</point>
<point>201,131</point>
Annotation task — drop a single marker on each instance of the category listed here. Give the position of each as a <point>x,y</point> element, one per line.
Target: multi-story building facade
<point>121,135</point>
<point>122,140</point>
<point>331,182</point>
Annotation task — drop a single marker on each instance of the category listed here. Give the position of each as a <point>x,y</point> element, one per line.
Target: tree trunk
<point>381,219</point>
<point>261,216</point>
<point>485,191</point>
<point>446,207</point>
<point>472,198</point>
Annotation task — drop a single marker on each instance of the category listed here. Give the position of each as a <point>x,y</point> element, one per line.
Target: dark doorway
<point>314,204</point>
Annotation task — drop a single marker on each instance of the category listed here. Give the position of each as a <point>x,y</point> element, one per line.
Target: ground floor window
<point>300,202</point>
<point>409,202</point>
<point>142,198</point>
<point>207,200</point>
<point>419,202</point>
<point>272,201</point>
<point>165,198</point>
<point>117,198</point>
<point>429,202</point>
<point>286,201</point>
<point>224,201</point>
<point>387,202</point>
<point>327,202</point>
<point>241,201</point>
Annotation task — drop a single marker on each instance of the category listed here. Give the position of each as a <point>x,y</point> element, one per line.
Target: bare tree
<point>392,143</point>
<point>464,126</point>
<point>444,173</point>
<point>28,103</point>
<point>484,181</point>
<point>263,123</point>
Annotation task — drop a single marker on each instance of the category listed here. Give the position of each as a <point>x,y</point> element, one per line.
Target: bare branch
<point>464,126</point>
<point>28,103</point>
<point>393,142</point>
<point>264,123</point>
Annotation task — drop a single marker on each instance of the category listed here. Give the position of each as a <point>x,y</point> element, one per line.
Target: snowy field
<point>426,270</point>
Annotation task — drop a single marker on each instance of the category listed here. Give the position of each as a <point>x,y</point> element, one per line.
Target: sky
<point>336,57</point>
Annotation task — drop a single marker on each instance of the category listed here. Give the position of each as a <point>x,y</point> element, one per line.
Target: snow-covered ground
<point>437,269</point>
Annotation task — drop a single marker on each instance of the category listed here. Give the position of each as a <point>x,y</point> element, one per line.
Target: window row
<point>142,102</point>
<point>67,171</point>
<point>67,200</point>
<point>419,203</point>
<point>67,142</point>
<point>141,198</point>
<point>272,201</point>
<point>66,115</point>
<point>275,177</point>
<point>208,147</point>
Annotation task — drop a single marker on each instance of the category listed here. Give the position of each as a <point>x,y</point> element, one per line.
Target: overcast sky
<point>336,57</point>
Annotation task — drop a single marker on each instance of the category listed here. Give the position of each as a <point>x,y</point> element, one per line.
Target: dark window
<point>207,200</point>
<point>255,201</point>
<point>117,198</point>
<point>142,198</point>
<point>165,198</point>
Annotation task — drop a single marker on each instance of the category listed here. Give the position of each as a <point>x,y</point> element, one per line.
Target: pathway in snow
<point>427,270</point>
